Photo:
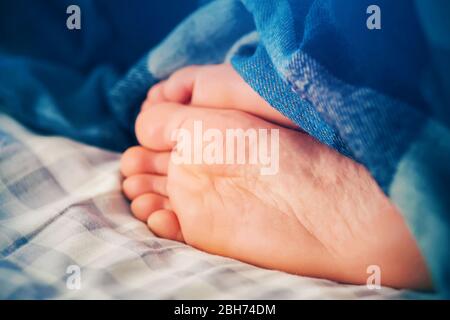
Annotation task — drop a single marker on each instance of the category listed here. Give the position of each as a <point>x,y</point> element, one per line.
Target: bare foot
<point>321,215</point>
<point>214,86</point>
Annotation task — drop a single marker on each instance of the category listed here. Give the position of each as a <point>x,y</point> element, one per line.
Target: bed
<point>66,232</point>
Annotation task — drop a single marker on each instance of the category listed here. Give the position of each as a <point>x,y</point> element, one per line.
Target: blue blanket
<point>379,96</point>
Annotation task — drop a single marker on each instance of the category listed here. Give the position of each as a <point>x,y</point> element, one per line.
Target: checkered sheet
<point>61,206</point>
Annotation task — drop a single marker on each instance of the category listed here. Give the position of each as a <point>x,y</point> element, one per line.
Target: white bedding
<point>61,209</point>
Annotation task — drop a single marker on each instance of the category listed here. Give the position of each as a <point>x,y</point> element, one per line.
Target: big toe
<point>157,127</point>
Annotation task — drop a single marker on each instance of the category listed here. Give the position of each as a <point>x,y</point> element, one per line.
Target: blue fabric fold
<point>67,82</point>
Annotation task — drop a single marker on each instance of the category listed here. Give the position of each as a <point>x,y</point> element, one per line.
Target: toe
<point>137,160</point>
<point>164,223</point>
<point>140,184</point>
<point>155,127</point>
<point>179,87</point>
<point>155,95</point>
<point>147,203</point>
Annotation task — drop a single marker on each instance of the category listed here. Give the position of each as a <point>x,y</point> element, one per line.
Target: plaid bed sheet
<point>61,206</point>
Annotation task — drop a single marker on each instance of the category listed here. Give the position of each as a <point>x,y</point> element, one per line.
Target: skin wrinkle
<point>303,218</point>
<point>274,208</point>
<point>243,200</point>
<point>320,182</point>
<point>357,218</point>
<point>214,183</point>
<point>206,200</point>
<point>282,205</point>
<point>340,185</point>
